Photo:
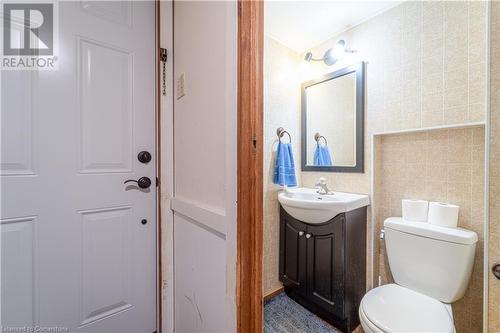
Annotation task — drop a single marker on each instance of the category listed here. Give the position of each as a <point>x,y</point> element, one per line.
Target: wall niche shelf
<point>433,128</point>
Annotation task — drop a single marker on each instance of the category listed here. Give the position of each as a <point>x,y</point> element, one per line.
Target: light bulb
<point>339,49</point>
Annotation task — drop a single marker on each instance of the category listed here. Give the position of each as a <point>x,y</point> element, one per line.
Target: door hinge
<point>163,59</point>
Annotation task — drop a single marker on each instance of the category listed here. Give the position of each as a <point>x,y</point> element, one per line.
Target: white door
<point>78,246</point>
<point>205,137</point>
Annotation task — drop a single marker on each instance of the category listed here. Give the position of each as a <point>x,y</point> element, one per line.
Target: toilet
<point>431,266</point>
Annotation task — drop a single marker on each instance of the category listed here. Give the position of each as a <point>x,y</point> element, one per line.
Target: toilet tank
<point>433,260</point>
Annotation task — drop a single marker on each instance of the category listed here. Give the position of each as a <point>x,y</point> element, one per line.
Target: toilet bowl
<point>392,308</point>
<point>431,266</point>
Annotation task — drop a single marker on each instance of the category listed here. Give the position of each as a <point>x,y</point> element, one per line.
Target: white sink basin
<point>306,205</point>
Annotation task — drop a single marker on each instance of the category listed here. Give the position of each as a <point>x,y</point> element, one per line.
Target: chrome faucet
<point>322,187</point>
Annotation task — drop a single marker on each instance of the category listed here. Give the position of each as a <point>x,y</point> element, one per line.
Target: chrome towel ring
<point>318,137</point>
<point>280,132</point>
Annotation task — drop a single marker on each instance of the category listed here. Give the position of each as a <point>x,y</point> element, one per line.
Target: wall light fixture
<point>332,55</point>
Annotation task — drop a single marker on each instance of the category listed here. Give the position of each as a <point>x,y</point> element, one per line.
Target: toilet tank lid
<point>424,229</point>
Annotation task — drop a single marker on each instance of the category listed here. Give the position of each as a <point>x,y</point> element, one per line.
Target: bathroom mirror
<point>333,121</point>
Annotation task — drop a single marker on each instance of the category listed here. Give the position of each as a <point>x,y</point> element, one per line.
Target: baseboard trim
<point>273,294</point>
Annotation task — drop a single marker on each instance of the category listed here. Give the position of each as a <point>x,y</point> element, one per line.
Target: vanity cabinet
<point>323,266</point>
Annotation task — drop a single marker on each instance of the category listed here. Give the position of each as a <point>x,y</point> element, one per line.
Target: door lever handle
<point>143,182</point>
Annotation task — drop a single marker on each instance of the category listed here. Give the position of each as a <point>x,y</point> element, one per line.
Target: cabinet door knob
<point>301,233</point>
<point>308,235</point>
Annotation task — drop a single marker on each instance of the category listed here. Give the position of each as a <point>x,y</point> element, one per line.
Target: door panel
<point>112,11</point>
<point>19,260</point>
<point>106,109</point>
<point>17,122</point>
<point>106,289</point>
<point>325,253</point>
<point>199,309</point>
<point>70,138</point>
<point>293,257</point>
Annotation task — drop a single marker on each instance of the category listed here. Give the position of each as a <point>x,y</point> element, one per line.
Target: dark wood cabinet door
<point>325,265</point>
<point>292,253</point>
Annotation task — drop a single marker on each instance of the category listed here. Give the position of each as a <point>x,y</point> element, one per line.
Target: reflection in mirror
<point>332,122</point>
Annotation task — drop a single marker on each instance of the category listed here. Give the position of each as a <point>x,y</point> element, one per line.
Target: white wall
<point>281,109</point>
<point>204,202</point>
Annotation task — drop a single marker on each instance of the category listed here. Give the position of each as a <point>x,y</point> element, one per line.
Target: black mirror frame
<point>360,119</point>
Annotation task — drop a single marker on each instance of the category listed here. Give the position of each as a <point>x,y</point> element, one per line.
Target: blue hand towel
<point>284,171</point>
<point>322,156</point>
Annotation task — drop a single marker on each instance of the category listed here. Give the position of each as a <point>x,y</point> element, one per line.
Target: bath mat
<point>283,315</point>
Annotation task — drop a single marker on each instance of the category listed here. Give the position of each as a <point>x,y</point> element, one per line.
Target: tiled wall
<point>281,109</point>
<point>425,66</point>
<point>494,228</point>
<point>440,165</point>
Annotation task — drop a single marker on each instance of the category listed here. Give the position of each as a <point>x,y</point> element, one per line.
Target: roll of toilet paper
<point>443,214</point>
<point>414,210</point>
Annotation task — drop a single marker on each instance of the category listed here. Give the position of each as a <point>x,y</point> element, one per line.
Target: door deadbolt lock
<point>144,156</point>
<point>143,182</point>
<point>496,270</point>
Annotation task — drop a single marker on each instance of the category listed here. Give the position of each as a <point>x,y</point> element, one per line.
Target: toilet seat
<point>392,308</point>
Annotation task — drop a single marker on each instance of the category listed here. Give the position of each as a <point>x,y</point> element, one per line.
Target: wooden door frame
<point>250,165</point>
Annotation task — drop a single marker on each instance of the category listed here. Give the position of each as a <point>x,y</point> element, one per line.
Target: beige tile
<point>456,78</point>
<point>456,11</point>
<point>477,73</point>
<point>433,23</point>
<point>411,101</point>
<point>456,115</point>
<point>432,47</point>
<point>477,19</point>
<point>477,92</point>
<point>413,118</point>
<point>432,117</point>
<point>432,65</point>
<point>477,112</point>
<point>458,96</point>
<point>477,50</point>
<point>459,172</point>
<point>432,83</point>
<point>434,101</point>
<point>454,59</point>
<point>478,11</point>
